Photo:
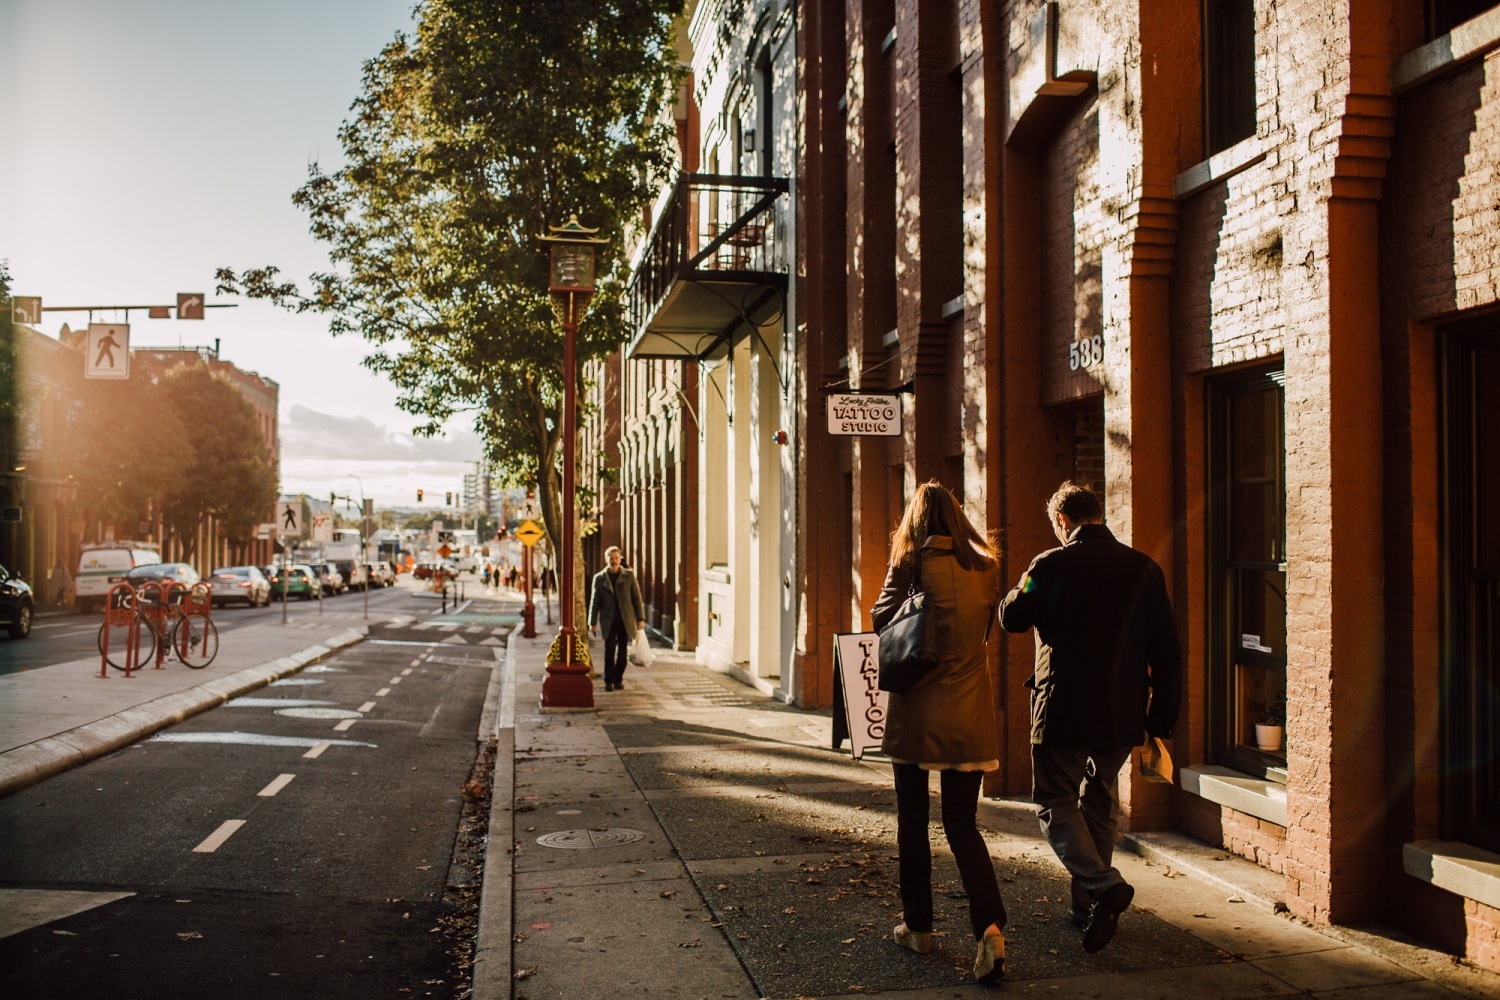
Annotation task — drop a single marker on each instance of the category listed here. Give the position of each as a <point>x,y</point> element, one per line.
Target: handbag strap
<point>916,573</point>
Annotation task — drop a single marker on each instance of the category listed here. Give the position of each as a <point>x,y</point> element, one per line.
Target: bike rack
<point>119,609</point>
<point>157,611</point>
<point>199,599</point>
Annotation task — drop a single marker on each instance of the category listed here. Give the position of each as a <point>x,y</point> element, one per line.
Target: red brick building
<point>1235,264</point>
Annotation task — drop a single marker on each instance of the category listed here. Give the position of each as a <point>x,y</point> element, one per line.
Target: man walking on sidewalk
<point>616,602</point>
<point>1108,670</point>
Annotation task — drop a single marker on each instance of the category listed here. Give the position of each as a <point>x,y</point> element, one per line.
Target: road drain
<point>583,840</point>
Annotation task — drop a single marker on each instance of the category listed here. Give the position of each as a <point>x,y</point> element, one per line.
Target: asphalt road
<point>76,636</point>
<point>268,848</point>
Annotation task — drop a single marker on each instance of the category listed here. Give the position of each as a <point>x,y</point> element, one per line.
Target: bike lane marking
<point>281,781</point>
<point>216,839</point>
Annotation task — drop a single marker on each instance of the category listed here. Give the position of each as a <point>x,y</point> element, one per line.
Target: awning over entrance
<point>715,261</point>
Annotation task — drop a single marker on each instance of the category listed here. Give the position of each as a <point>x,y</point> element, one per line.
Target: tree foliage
<point>496,119</point>
<point>186,445</point>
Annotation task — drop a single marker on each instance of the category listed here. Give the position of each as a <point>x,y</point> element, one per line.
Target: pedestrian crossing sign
<point>107,354</point>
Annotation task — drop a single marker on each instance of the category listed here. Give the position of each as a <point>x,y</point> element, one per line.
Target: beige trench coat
<point>949,718</point>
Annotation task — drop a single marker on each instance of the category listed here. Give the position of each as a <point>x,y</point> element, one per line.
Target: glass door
<point>1247,568</point>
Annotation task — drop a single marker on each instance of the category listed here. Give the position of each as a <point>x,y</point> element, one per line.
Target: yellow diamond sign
<point>529,532</point>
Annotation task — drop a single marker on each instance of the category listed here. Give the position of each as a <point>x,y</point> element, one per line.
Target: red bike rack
<point>199,599</point>
<point>157,610</point>
<point>119,609</point>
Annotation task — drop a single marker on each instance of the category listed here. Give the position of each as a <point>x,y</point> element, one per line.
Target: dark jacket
<point>1102,617</point>
<point>948,718</point>
<point>616,595</point>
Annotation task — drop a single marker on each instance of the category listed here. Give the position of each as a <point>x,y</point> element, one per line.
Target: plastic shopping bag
<point>640,650</point>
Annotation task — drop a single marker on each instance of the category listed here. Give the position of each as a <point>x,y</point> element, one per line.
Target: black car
<point>163,573</point>
<point>16,604</point>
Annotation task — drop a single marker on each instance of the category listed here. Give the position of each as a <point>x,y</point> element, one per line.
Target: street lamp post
<point>571,285</point>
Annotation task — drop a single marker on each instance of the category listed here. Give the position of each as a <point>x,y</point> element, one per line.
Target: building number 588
<point>1085,353</point>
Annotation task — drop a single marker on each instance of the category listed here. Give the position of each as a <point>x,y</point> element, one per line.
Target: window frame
<point>1223,125</point>
<point>1225,655</point>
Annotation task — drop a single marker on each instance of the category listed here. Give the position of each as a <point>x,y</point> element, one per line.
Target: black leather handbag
<point>909,641</point>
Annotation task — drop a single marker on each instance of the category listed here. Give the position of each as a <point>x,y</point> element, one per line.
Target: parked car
<point>333,580</point>
<point>382,573</point>
<point>299,582</point>
<point>172,572</point>
<point>102,565</point>
<point>16,604</point>
<point>240,583</point>
<point>352,572</point>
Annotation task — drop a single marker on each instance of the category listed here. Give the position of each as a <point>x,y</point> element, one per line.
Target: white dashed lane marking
<point>282,780</point>
<point>343,727</point>
<point>216,839</point>
<point>367,706</point>
<point>382,692</point>
<point>406,672</point>
<point>394,680</point>
<point>317,750</point>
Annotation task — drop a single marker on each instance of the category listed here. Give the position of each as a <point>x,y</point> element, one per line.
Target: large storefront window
<point>1471,653</point>
<point>1248,575</point>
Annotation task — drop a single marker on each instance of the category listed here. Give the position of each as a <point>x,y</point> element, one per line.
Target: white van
<point>104,564</point>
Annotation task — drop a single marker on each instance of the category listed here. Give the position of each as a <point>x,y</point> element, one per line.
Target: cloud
<point>309,435</point>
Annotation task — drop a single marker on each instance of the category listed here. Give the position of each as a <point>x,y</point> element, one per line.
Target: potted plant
<point>1270,734</point>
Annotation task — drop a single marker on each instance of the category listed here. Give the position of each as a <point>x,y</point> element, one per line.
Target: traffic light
<point>449,501</point>
<point>419,496</point>
<point>332,499</point>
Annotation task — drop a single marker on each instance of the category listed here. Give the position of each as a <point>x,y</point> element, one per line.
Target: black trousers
<point>616,649</point>
<point>960,796</point>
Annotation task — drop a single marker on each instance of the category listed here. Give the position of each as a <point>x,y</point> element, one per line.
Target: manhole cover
<point>319,713</point>
<point>582,840</point>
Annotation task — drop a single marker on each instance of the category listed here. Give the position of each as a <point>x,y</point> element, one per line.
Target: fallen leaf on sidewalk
<point>188,935</point>
<point>66,933</point>
<point>525,973</point>
<point>690,944</point>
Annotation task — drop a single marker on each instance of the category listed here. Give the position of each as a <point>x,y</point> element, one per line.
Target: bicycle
<point>190,636</point>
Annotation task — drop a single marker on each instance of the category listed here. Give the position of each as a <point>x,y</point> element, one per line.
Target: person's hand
<point>594,630</point>
<point>1158,729</point>
<point>640,625</point>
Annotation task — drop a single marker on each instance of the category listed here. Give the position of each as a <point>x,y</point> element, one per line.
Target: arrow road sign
<point>107,354</point>
<point>189,305</point>
<point>26,309</point>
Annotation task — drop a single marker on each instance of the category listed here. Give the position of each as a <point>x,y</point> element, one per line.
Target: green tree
<point>225,468</point>
<point>495,120</point>
<point>120,445</point>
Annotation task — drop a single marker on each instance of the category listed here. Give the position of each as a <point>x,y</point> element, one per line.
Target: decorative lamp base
<point>568,686</point>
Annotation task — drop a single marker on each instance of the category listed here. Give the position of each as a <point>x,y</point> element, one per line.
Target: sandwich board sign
<point>856,664</point>
<point>107,354</point>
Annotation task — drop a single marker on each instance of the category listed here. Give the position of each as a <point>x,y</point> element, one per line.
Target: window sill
<point>1252,796</point>
<point>1469,40</point>
<point>1458,868</point>
<point>1221,166</point>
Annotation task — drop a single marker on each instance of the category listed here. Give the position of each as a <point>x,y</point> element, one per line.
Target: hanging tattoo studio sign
<point>860,413</point>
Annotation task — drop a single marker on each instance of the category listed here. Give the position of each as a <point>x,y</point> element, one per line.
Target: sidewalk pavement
<point>693,838</point>
<point>57,717</point>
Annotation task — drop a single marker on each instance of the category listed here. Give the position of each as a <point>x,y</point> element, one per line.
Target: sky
<point>149,143</point>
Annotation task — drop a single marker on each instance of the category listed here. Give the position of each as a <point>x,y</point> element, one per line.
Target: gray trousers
<point>1077,790</point>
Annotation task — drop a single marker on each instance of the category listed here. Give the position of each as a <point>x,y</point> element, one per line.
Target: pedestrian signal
<point>449,501</point>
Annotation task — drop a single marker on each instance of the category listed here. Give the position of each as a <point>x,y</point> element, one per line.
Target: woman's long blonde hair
<point>934,510</point>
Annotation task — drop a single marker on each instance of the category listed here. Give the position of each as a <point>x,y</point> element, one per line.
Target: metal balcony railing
<point>719,228</point>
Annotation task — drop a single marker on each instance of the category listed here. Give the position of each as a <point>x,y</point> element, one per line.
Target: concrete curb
<point>26,765</point>
<point>492,939</point>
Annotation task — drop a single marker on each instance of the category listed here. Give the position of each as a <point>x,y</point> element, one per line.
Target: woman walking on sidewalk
<point>947,722</point>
